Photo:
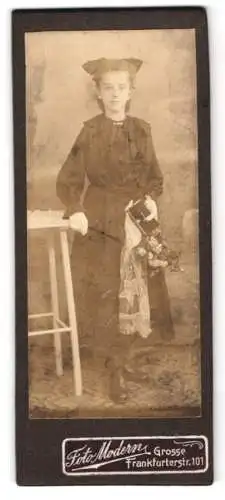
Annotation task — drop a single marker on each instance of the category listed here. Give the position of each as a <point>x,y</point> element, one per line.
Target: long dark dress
<point>120,164</point>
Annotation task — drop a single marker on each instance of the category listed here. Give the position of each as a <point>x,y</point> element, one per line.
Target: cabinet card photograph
<point>113,246</point>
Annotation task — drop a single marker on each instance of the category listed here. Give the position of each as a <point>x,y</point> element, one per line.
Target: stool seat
<point>52,225</point>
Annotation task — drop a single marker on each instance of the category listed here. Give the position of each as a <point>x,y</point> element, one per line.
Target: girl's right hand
<point>78,222</point>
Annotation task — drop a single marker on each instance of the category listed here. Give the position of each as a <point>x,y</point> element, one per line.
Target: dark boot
<point>117,385</point>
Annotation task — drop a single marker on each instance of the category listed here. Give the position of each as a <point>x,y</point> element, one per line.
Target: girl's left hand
<point>152,207</point>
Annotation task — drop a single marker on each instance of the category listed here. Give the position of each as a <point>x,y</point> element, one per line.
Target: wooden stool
<point>51,222</point>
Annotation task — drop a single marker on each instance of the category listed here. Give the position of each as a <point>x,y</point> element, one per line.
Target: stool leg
<point>55,303</point>
<point>72,313</point>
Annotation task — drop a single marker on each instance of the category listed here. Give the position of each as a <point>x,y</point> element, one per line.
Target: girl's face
<point>114,90</point>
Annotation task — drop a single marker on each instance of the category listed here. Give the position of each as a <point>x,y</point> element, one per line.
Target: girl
<point>114,154</point>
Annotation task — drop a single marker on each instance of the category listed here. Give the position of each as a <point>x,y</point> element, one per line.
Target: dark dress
<point>119,164</point>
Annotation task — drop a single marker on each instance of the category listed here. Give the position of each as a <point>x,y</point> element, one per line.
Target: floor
<point>173,368</point>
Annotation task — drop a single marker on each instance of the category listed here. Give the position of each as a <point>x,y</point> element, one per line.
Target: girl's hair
<point>97,81</point>
<point>99,101</point>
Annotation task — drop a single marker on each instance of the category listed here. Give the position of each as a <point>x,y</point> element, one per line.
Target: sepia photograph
<point>112,224</point>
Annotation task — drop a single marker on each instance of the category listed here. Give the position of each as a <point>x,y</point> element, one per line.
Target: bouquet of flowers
<point>152,242</point>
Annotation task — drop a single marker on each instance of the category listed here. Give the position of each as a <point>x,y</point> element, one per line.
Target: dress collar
<point>114,122</point>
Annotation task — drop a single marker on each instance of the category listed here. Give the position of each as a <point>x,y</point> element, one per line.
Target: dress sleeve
<point>154,185</point>
<point>71,177</point>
